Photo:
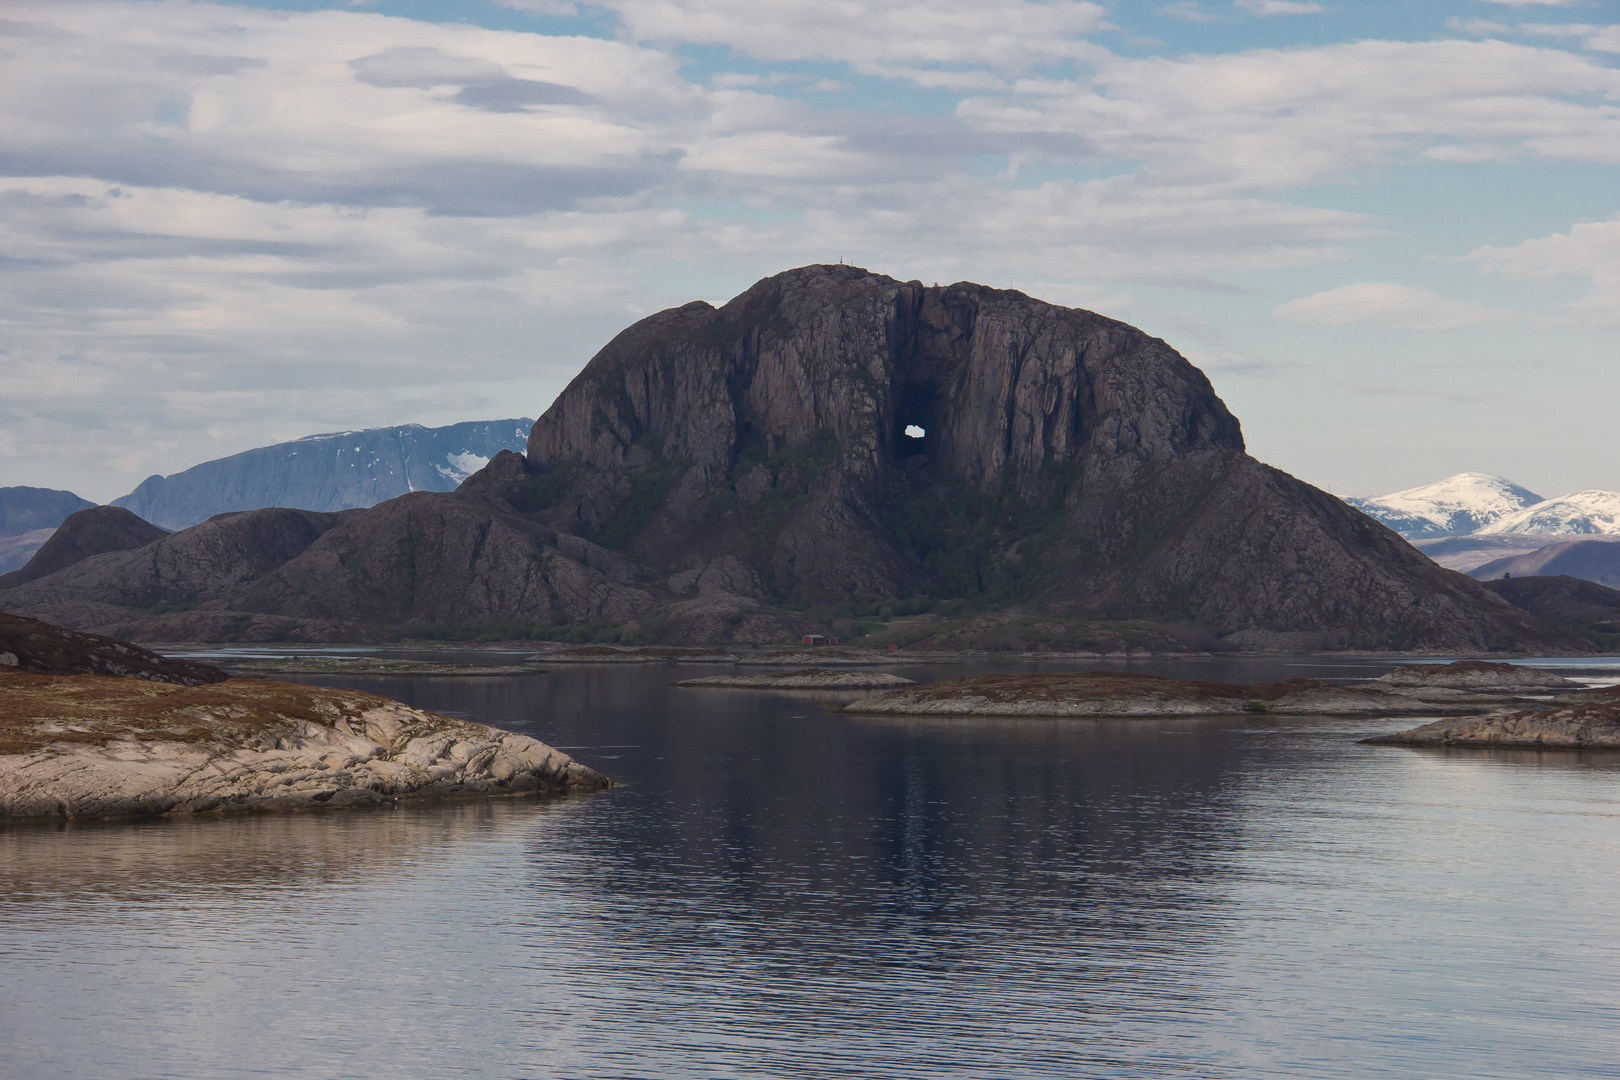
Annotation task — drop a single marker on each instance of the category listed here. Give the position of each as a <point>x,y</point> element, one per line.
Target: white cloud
<point>1277,7</point>
<point>265,222</point>
<point>1188,11</point>
<point>1535,3</point>
<point>1381,304</point>
<point>1590,250</point>
<point>898,37</point>
<point>1278,118</point>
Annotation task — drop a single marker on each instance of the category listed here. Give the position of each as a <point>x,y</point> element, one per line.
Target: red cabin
<point>817,639</point>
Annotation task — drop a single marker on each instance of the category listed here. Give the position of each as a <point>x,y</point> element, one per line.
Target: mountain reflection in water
<point>777,890</point>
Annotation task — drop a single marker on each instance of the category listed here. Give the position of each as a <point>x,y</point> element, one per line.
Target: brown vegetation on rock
<point>29,645</point>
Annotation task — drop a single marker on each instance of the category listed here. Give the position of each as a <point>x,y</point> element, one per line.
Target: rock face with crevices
<point>88,745</point>
<point>1065,458</point>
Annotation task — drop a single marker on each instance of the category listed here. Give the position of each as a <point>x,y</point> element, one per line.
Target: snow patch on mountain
<point>461,466</point>
<point>1584,513</point>
<point>1456,506</point>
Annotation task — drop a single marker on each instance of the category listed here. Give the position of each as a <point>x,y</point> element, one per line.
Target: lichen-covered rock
<point>80,746</point>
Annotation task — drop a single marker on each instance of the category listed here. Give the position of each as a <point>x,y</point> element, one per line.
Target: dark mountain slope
<point>42,649</point>
<point>459,559</point>
<point>1594,560</point>
<point>200,564</point>
<point>1562,599</point>
<point>96,531</point>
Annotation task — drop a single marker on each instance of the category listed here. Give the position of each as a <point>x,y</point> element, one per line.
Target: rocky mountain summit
<point>28,515</point>
<point>96,531</point>
<point>835,439</point>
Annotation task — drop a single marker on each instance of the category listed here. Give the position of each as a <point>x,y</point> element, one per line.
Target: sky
<point>1388,231</point>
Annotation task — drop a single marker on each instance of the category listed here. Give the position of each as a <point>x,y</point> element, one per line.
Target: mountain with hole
<point>945,467</point>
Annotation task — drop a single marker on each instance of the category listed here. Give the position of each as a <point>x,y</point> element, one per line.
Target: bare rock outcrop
<point>1579,725</point>
<point>87,745</point>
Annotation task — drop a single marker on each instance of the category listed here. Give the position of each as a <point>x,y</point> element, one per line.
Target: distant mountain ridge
<point>29,509</point>
<point>1583,513</point>
<point>28,515</point>
<point>1479,504</point>
<point>1456,506</point>
<point>1589,560</point>
<point>1487,526</point>
<point>343,470</point>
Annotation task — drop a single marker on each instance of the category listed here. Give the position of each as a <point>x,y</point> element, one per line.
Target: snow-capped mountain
<point>1585,513</point>
<point>340,471</point>
<point>1456,506</point>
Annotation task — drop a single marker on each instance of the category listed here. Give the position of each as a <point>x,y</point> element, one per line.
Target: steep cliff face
<point>774,429</point>
<point>1053,455</point>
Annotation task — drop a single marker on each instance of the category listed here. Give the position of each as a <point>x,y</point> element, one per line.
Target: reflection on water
<point>777,890</point>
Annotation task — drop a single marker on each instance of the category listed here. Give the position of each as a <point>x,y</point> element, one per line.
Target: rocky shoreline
<point>1592,724</point>
<point>803,679</point>
<point>1463,688</point>
<point>89,745</point>
<point>364,665</point>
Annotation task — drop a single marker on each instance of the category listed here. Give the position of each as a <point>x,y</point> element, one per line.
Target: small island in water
<point>93,726</point>
<point>1497,705</point>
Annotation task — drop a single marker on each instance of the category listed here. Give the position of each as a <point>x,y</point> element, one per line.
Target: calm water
<point>779,891</point>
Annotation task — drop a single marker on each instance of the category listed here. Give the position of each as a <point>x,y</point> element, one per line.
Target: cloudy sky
<point>1388,229</point>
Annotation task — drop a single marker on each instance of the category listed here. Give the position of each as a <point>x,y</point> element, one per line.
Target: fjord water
<point>777,890</point>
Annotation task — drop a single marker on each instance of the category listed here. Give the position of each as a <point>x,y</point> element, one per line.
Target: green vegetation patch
<point>972,544</point>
